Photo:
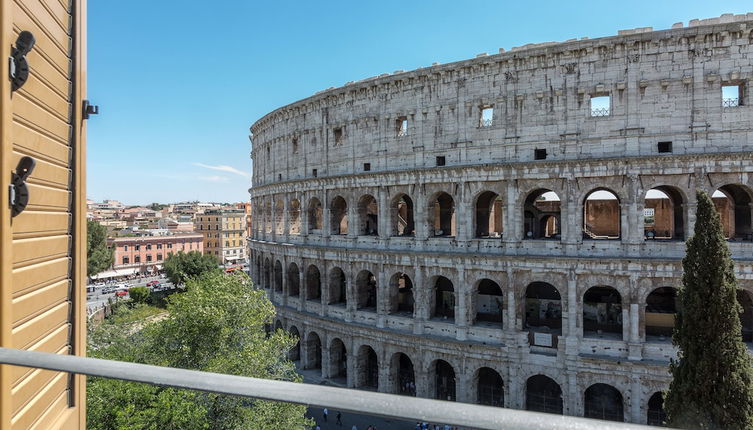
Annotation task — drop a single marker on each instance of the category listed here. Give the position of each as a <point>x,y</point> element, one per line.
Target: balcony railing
<point>347,400</point>
<point>600,112</point>
<point>733,102</point>
<point>402,132</point>
<point>485,123</point>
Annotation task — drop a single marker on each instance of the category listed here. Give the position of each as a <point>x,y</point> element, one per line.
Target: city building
<point>145,254</point>
<point>508,230</point>
<point>224,232</point>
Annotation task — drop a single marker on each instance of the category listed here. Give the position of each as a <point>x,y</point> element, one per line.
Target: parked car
<point>121,293</point>
<point>152,284</point>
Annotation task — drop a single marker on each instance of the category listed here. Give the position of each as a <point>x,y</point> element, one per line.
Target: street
<point>97,299</point>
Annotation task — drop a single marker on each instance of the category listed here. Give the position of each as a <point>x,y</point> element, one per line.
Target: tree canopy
<point>99,256</point>
<point>182,266</point>
<point>712,385</point>
<point>216,326</point>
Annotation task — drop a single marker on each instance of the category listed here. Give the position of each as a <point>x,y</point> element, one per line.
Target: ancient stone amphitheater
<point>508,230</point>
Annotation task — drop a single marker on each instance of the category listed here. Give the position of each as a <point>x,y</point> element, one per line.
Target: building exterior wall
<point>224,233</point>
<point>311,175</point>
<point>149,252</point>
<point>43,249</point>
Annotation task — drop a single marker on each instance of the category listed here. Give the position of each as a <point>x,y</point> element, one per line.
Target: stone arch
<point>368,216</point>
<point>441,212</point>
<point>401,296</point>
<point>278,325</point>
<point>734,202</point>
<point>268,217</point>
<point>487,216</point>
<point>488,303</point>
<point>660,312</point>
<point>294,280</point>
<point>602,217</point>
<point>366,291</point>
<point>315,216</point>
<point>403,373</point>
<point>543,394</point>
<point>294,217</point>
<point>338,360</point>
<point>295,352</point>
<point>655,411</point>
<point>442,380</point>
<point>367,368</point>
<point>542,214</point>
<point>267,273</point>
<point>278,276</point>
<point>313,347</point>
<point>313,283</point>
<point>603,402</point>
<point>338,212</point>
<point>402,216</point>
<point>489,387</point>
<point>443,300</point>
<point>664,213</point>
<point>279,217</point>
<point>338,294</point>
<point>602,312</point>
<point>542,313</point>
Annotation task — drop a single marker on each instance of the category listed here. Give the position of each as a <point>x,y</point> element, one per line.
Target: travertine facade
<point>428,256</point>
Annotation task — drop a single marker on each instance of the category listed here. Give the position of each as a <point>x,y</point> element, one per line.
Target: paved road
<point>96,299</point>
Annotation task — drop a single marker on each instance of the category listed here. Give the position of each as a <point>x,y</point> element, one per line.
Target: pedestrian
<point>354,427</point>
<point>318,428</point>
<point>325,413</point>
<point>339,419</point>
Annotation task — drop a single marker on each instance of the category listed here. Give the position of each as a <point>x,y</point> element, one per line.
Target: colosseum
<point>508,230</point>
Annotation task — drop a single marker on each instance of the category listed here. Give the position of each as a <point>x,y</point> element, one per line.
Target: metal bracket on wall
<point>19,193</point>
<point>19,66</point>
<point>89,109</point>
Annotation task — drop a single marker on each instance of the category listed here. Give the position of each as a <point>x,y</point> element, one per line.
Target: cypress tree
<point>712,378</point>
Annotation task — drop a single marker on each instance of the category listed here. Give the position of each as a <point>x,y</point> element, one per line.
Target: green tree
<point>182,266</point>
<point>216,326</point>
<point>712,385</point>
<point>99,256</point>
<point>139,294</point>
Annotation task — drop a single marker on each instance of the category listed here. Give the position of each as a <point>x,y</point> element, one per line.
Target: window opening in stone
<point>339,216</point>
<point>313,348</point>
<point>663,215</point>
<point>602,313</point>
<point>295,145</point>
<point>294,280</point>
<point>600,106</point>
<point>541,215</point>
<point>542,316</point>
<point>278,277</point>
<point>401,126</point>
<point>656,414</point>
<point>490,389</point>
<point>294,217</point>
<point>366,167</point>
<point>279,176</point>
<point>338,361</point>
<point>366,291</point>
<point>539,154</point>
<point>402,216</point>
<point>664,147</point>
<point>313,283</point>
<point>337,287</point>
<point>601,215</point>
<point>543,395</point>
<point>315,216</point>
<point>489,304</point>
<point>444,381</point>
<point>444,299</point>
<point>442,209</point>
<point>732,95</point>
<point>295,352</point>
<point>486,117</point>
<point>733,202</point>
<point>268,153</point>
<point>488,215</point>
<point>402,367</point>
<point>367,369</point>
<point>368,216</point>
<point>661,309</point>
<point>603,402</point>
<point>401,295</point>
<point>314,173</point>
<point>338,133</point>
<point>441,160</point>
<point>746,317</point>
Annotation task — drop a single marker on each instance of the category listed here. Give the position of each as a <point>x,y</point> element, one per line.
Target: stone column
<point>286,218</point>
<point>420,311</point>
<point>515,390</point>
<point>461,306</point>
<point>635,346</point>
<point>350,364</point>
<point>463,387</point>
<point>326,222</point>
<point>325,358</point>
<point>571,401</point>
<point>302,286</point>
<point>570,214</point>
<point>635,401</point>
<point>384,383</point>
<point>354,224</point>
<point>383,292</point>
<point>573,335</point>
<point>422,381</point>
<point>420,217</point>
<point>631,223</point>
<point>384,213</point>
<point>512,323</point>
<point>513,228</point>
<point>350,295</point>
<point>462,216</point>
<point>285,292</point>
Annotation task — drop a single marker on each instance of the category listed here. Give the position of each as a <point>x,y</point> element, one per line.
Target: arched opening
<point>315,218</point>
<point>338,361</point>
<point>339,216</point>
<point>663,217</point>
<point>488,215</point>
<point>401,212</point>
<point>366,291</point>
<point>543,314</point>
<point>601,215</point>
<point>294,217</point>
<point>489,304</point>
<point>268,217</point>
<point>602,313</point>
<point>401,295</point>
<point>543,395</point>
<point>661,308</point>
<point>656,414</point>
<point>313,351</point>
<point>259,276</point>
<point>603,402</point>
<point>368,216</point>
<point>279,218</point>
<point>367,368</point>
<point>541,215</point>
<point>278,276</point>
<point>444,299</point>
<point>746,317</point>
<point>278,325</point>
<point>267,274</point>
<point>404,374</point>
<point>733,202</point>
<point>489,388</point>
<point>294,280</point>
<point>313,283</point>
<point>295,352</point>
<point>444,381</point>
<point>337,287</point>
<point>442,214</point>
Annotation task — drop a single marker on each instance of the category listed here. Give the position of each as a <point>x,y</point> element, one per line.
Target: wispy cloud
<point>215,178</point>
<point>223,168</point>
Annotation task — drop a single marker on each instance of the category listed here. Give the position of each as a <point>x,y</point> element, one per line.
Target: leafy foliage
<point>712,385</point>
<point>99,256</point>
<point>217,325</point>
<point>139,294</point>
<point>182,266</point>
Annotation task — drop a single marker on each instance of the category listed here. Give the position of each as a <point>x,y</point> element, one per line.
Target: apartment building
<point>224,233</point>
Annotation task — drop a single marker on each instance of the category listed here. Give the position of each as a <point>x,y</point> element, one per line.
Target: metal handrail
<point>731,102</point>
<point>600,112</point>
<point>347,400</point>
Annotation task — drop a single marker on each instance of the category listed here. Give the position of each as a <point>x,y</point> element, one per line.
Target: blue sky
<point>180,82</point>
